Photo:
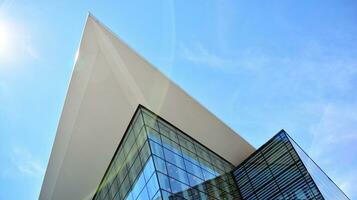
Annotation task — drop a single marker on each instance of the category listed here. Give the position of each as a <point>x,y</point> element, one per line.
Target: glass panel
<point>139,185</point>
<point>156,149</point>
<point>193,180</point>
<point>326,186</point>
<point>177,186</point>
<point>164,182</point>
<point>173,158</point>
<point>168,132</point>
<point>275,171</point>
<point>171,145</point>
<point>177,173</point>
<point>143,195</point>
<point>194,169</point>
<point>160,165</point>
<point>152,186</point>
<point>154,135</point>
<point>149,169</point>
<point>150,119</point>
<point>145,153</point>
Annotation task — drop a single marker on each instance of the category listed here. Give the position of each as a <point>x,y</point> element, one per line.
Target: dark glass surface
<point>280,169</point>
<point>275,171</point>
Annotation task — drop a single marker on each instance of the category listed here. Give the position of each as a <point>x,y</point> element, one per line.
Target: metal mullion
<point>114,179</point>
<point>268,164</point>
<point>271,171</point>
<point>250,180</point>
<point>151,155</point>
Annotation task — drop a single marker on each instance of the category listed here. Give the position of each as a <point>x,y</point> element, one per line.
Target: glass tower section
<point>275,171</point>
<point>280,169</point>
<point>131,173</point>
<point>155,160</point>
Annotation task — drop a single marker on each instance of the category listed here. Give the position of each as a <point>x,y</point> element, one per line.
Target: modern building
<point>128,132</point>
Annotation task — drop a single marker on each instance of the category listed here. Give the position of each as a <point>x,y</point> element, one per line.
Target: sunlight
<point>4,38</point>
<point>6,42</point>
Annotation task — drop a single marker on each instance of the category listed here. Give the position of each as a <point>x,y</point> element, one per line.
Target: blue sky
<point>260,66</point>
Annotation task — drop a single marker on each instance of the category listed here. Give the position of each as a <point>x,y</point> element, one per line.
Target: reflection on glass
<point>275,171</point>
<point>280,169</point>
<point>325,185</point>
<point>155,160</point>
<point>131,174</point>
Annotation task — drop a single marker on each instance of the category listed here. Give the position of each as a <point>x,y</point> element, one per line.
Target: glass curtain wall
<point>275,171</point>
<point>185,168</point>
<point>225,182</point>
<point>155,160</point>
<point>131,173</point>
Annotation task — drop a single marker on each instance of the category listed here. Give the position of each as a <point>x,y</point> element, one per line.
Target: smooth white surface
<point>109,81</point>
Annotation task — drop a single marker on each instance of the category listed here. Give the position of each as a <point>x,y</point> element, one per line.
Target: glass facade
<point>275,171</point>
<point>131,173</point>
<point>221,187</point>
<point>327,187</point>
<point>156,161</point>
<point>280,169</point>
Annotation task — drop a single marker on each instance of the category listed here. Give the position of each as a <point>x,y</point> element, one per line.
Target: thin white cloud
<point>337,125</point>
<point>201,55</point>
<point>333,144</point>
<point>26,163</point>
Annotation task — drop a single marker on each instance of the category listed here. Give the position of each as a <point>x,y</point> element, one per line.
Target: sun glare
<point>4,38</point>
<point>7,42</point>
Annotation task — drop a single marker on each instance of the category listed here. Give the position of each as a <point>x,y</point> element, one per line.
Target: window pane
<point>138,186</point>
<point>169,144</point>
<point>156,149</point>
<point>188,155</point>
<point>164,182</point>
<point>177,186</point>
<point>194,169</point>
<point>177,173</point>
<point>154,135</point>
<point>135,169</point>
<point>150,120</point>
<point>149,169</point>
<point>193,180</point>
<point>124,188</point>
<point>140,140</point>
<point>174,158</point>
<point>152,186</point>
<point>169,133</point>
<point>143,195</point>
<point>160,165</point>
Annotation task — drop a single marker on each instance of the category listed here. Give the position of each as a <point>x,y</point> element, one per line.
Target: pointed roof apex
<point>108,83</point>
<point>91,16</point>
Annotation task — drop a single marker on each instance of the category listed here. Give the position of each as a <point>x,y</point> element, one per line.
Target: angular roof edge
<point>108,82</point>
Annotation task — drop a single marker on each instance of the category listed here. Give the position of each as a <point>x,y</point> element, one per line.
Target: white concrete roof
<point>109,81</point>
